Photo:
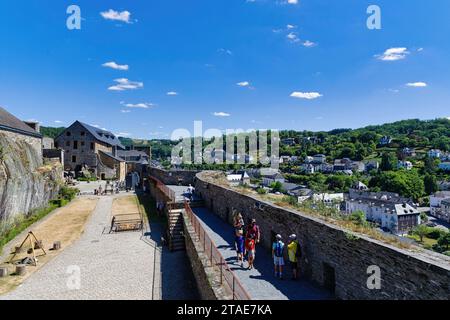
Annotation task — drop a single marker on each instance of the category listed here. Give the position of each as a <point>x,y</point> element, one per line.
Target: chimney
<point>34,125</point>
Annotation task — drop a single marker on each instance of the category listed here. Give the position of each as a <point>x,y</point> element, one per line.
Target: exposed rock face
<point>25,182</point>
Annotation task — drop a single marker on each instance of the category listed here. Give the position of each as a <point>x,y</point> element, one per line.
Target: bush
<point>68,193</point>
<point>85,179</point>
<point>434,233</point>
<point>261,191</point>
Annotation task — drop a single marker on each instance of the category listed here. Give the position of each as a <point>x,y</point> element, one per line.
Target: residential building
<point>360,186</point>
<point>388,210</point>
<point>436,202</point>
<point>405,165</point>
<point>320,158</point>
<point>385,140</point>
<point>90,149</point>
<point>288,141</point>
<point>445,210</point>
<point>293,189</point>
<point>345,164</point>
<point>445,166</point>
<point>236,179</point>
<point>331,200</point>
<point>144,147</point>
<point>408,152</point>
<point>444,185</point>
<point>304,194</point>
<point>435,153</point>
<point>372,165</point>
<point>308,168</point>
<point>267,180</point>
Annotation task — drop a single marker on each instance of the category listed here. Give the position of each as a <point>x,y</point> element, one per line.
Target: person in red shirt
<point>250,248</point>
<point>253,231</point>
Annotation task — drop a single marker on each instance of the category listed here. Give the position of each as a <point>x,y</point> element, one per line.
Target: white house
<point>320,158</point>
<point>329,199</point>
<point>405,165</point>
<point>434,153</point>
<point>436,201</point>
<point>236,179</point>
<point>388,210</point>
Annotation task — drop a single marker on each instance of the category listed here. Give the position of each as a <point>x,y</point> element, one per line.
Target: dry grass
<point>65,226</point>
<point>126,206</point>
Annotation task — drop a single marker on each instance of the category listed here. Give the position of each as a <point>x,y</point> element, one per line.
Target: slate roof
<point>100,135</point>
<point>11,123</point>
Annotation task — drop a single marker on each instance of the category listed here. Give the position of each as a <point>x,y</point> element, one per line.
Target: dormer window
<point>68,133</point>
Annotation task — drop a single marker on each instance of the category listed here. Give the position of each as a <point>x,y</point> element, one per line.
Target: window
<point>68,133</point>
<point>67,143</point>
<point>74,158</point>
<point>82,133</point>
<point>75,144</point>
<point>82,143</point>
<point>92,146</point>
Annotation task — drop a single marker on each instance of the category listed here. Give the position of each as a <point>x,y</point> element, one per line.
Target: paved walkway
<point>123,265</point>
<point>259,282</point>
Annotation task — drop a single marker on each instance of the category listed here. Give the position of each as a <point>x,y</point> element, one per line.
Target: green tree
<point>421,231</point>
<point>430,183</point>
<point>407,183</point>
<point>444,241</point>
<point>389,161</point>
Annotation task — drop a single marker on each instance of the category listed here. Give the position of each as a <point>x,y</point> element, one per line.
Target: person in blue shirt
<point>239,242</point>
<point>278,256</point>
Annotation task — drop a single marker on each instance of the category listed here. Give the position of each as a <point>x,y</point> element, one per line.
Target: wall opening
<point>329,277</point>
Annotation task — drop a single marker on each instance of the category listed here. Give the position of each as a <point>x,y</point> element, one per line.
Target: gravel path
<point>123,265</point>
<point>259,282</point>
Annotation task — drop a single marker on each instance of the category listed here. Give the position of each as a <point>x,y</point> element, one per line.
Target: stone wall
<point>173,177</point>
<point>25,182</point>
<point>334,257</point>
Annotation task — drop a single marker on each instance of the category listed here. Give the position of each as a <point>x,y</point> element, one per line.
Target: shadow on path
<point>259,282</point>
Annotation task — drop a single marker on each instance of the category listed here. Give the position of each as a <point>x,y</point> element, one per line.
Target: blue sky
<point>232,63</point>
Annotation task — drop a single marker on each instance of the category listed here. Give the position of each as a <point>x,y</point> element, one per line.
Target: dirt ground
<point>65,226</point>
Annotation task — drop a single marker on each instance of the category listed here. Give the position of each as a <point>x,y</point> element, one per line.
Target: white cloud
<point>221,114</point>
<point>309,44</point>
<point>142,105</point>
<point>123,134</point>
<point>293,37</point>
<point>292,1</point>
<point>225,51</point>
<point>290,26</point>
<point>125,111</point>
<point>243,84</point>
<point>125,84</point>
<point>172,93</point>
<point>115,66</point>
<point>306,95</point>
<point>393,54</point>
<point>111,14</point>
<point>420,50</point>
<point>59,121</point>
<point>417,84</point>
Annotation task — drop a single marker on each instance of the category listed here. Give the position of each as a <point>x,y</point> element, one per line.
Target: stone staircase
<point>175,225</point>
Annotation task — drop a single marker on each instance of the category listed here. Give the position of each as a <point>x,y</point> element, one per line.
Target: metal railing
<point>169,193</point>
<point>227,277</point>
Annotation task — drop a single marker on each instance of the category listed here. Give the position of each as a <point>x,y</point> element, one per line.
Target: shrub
<point>261,191</point>
<point>434,233</point>
<point>68,193</point>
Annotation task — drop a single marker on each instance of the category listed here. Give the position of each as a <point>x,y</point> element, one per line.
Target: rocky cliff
<point>26,183</point>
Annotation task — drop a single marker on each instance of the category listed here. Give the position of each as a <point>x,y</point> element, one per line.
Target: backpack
<point>279,246</point>
<point>298,252</point>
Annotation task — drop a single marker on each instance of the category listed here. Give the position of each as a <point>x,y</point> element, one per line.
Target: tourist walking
<point>253,231</point>
<point>239,243</point>
<point>238,223</point>
<point>250,248</point>
<point>277,254</point>
<point>294,253</point>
